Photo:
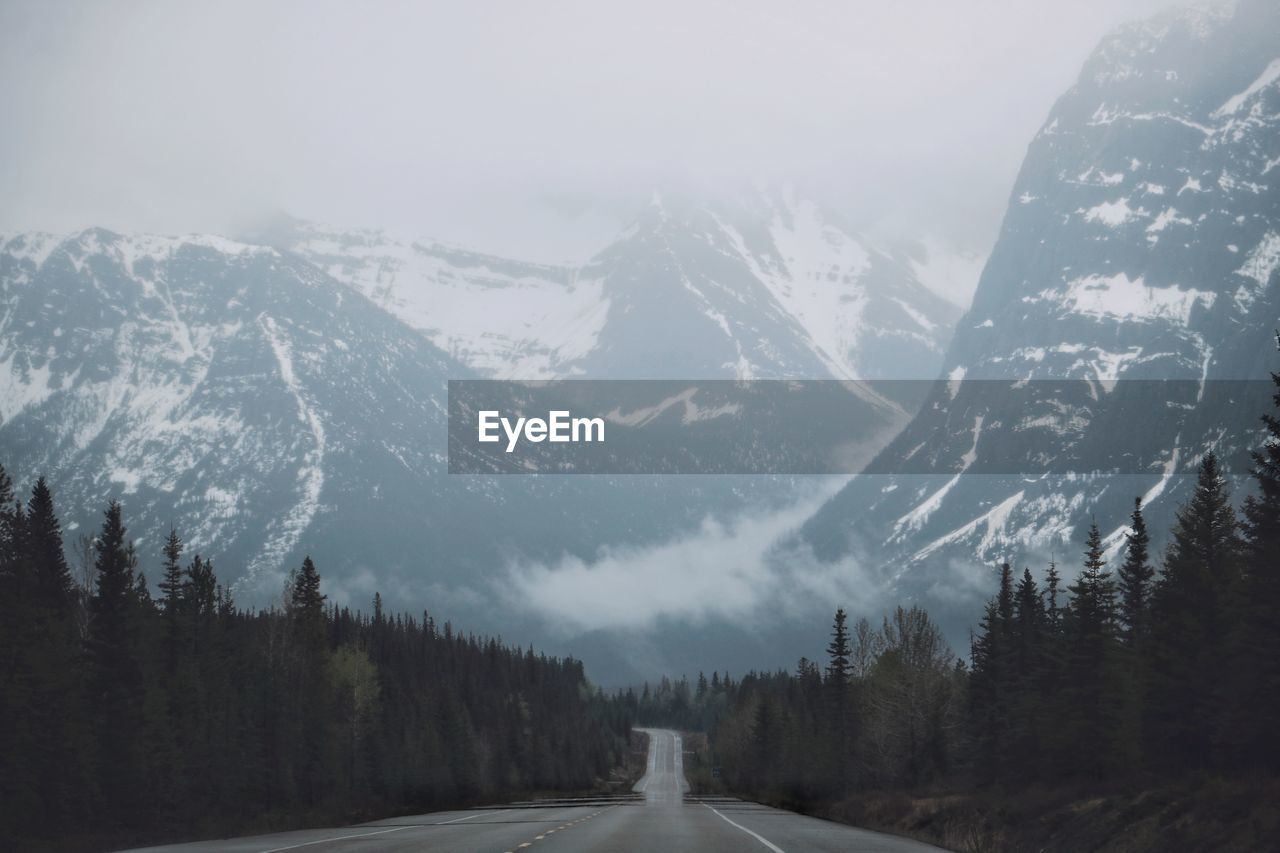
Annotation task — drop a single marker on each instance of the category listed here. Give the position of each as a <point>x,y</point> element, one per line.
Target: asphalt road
<point>659,816</point>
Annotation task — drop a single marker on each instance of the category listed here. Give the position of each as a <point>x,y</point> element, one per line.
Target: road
<point>660,815</point>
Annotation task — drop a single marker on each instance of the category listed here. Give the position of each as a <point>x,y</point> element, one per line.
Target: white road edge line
<point>379,832</point>
<point>757,836</point>
<point>468,817</point>
<point>337,838</point>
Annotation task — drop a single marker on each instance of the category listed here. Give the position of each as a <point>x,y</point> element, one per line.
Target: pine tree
<point>1135,578</point>
<point>1250,728</point>
<point>838,651</point>
<point>766,740</point>
<point>19,730</point>
<point>1029,636</point>
<point>171,581</point>
<point>839,698</point>
<point>264,714</point>
<point>990,685</point>
<point>52,578</point>
<point>141,592</point>
<point>306,600</point>
<point>1052,589</point>
<point>115,673</point>
<point>172,603</point>
<point>308,679</point>
<point>114,580</point>
<point>1098,710</point>
<point>1028,615</point>
<point>53,649</point>
<point>200,587</point>
<point>1189,625</point>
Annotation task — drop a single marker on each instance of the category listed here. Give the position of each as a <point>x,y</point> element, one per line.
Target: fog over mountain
<point>232,293</point>
<point>536,132</point>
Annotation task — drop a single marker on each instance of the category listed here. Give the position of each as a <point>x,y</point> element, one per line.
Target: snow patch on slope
<point>818,281</point>
<point>311,472</point>
<point>1118,297</point>
<point>1260,266</point>
<point>505,319</point>
<point>1233,104</point>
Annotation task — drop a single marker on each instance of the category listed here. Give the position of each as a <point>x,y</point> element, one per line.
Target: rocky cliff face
<point>1142,242</point>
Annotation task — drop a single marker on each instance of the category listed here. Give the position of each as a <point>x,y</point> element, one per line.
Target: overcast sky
<point>526,128</point>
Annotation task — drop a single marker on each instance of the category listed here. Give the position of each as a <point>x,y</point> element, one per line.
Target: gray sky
<point>531,129</point>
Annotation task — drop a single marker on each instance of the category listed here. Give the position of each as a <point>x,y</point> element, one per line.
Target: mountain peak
<point>1140,243</point>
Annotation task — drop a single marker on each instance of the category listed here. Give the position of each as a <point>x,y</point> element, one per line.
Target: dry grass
<point>1193,816</point>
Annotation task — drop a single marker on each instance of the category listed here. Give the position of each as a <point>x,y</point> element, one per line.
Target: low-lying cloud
<point>723,570</point>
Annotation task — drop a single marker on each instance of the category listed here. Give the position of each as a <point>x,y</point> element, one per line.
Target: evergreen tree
<point>840,700</point>
<point>838,651</point>
<point>200,587</point>
<point>113,595</point>
<point>766,742</point>
<point>1029,637</point>
<point>1250,728</point>
<point>141,592</point>
<point>306,601</point>
<point>52,647</point>
<point>267,711</point>
<point>116,677</point>
<point>172,603</point>
<point>305,677</point>
<point>18,727</point>
<point>990,687</point>
<point>1097,710</point>
<point>171,581</point>
<point>1189,624</point>
<point>1135,578</point>
<point>1028,619</point>
<point>1052,589</point>
<point>53,585</point>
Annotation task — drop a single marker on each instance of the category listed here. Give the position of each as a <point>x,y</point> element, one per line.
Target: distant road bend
<point>657,816</point>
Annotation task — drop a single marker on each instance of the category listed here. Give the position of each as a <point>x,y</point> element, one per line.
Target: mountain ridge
<point>1139,244</point>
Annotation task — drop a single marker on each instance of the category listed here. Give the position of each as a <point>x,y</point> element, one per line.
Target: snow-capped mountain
<point>1142,241</point>
<point>208,385</point>
<point>766,287</point>
<point>504,318</point>
<point>266,410</point>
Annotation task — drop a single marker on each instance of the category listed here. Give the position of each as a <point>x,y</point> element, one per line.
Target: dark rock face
<point>1142,241</point>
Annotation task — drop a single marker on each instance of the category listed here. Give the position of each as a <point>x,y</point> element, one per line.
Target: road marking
<point>469,817</point>
<point>554,831</point>
<point>381,831</point>
<point>757,836</point>
<point>337,838</point>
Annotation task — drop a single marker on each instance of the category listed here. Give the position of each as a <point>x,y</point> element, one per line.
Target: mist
<point>746,566</point>
<point>532,130</point>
